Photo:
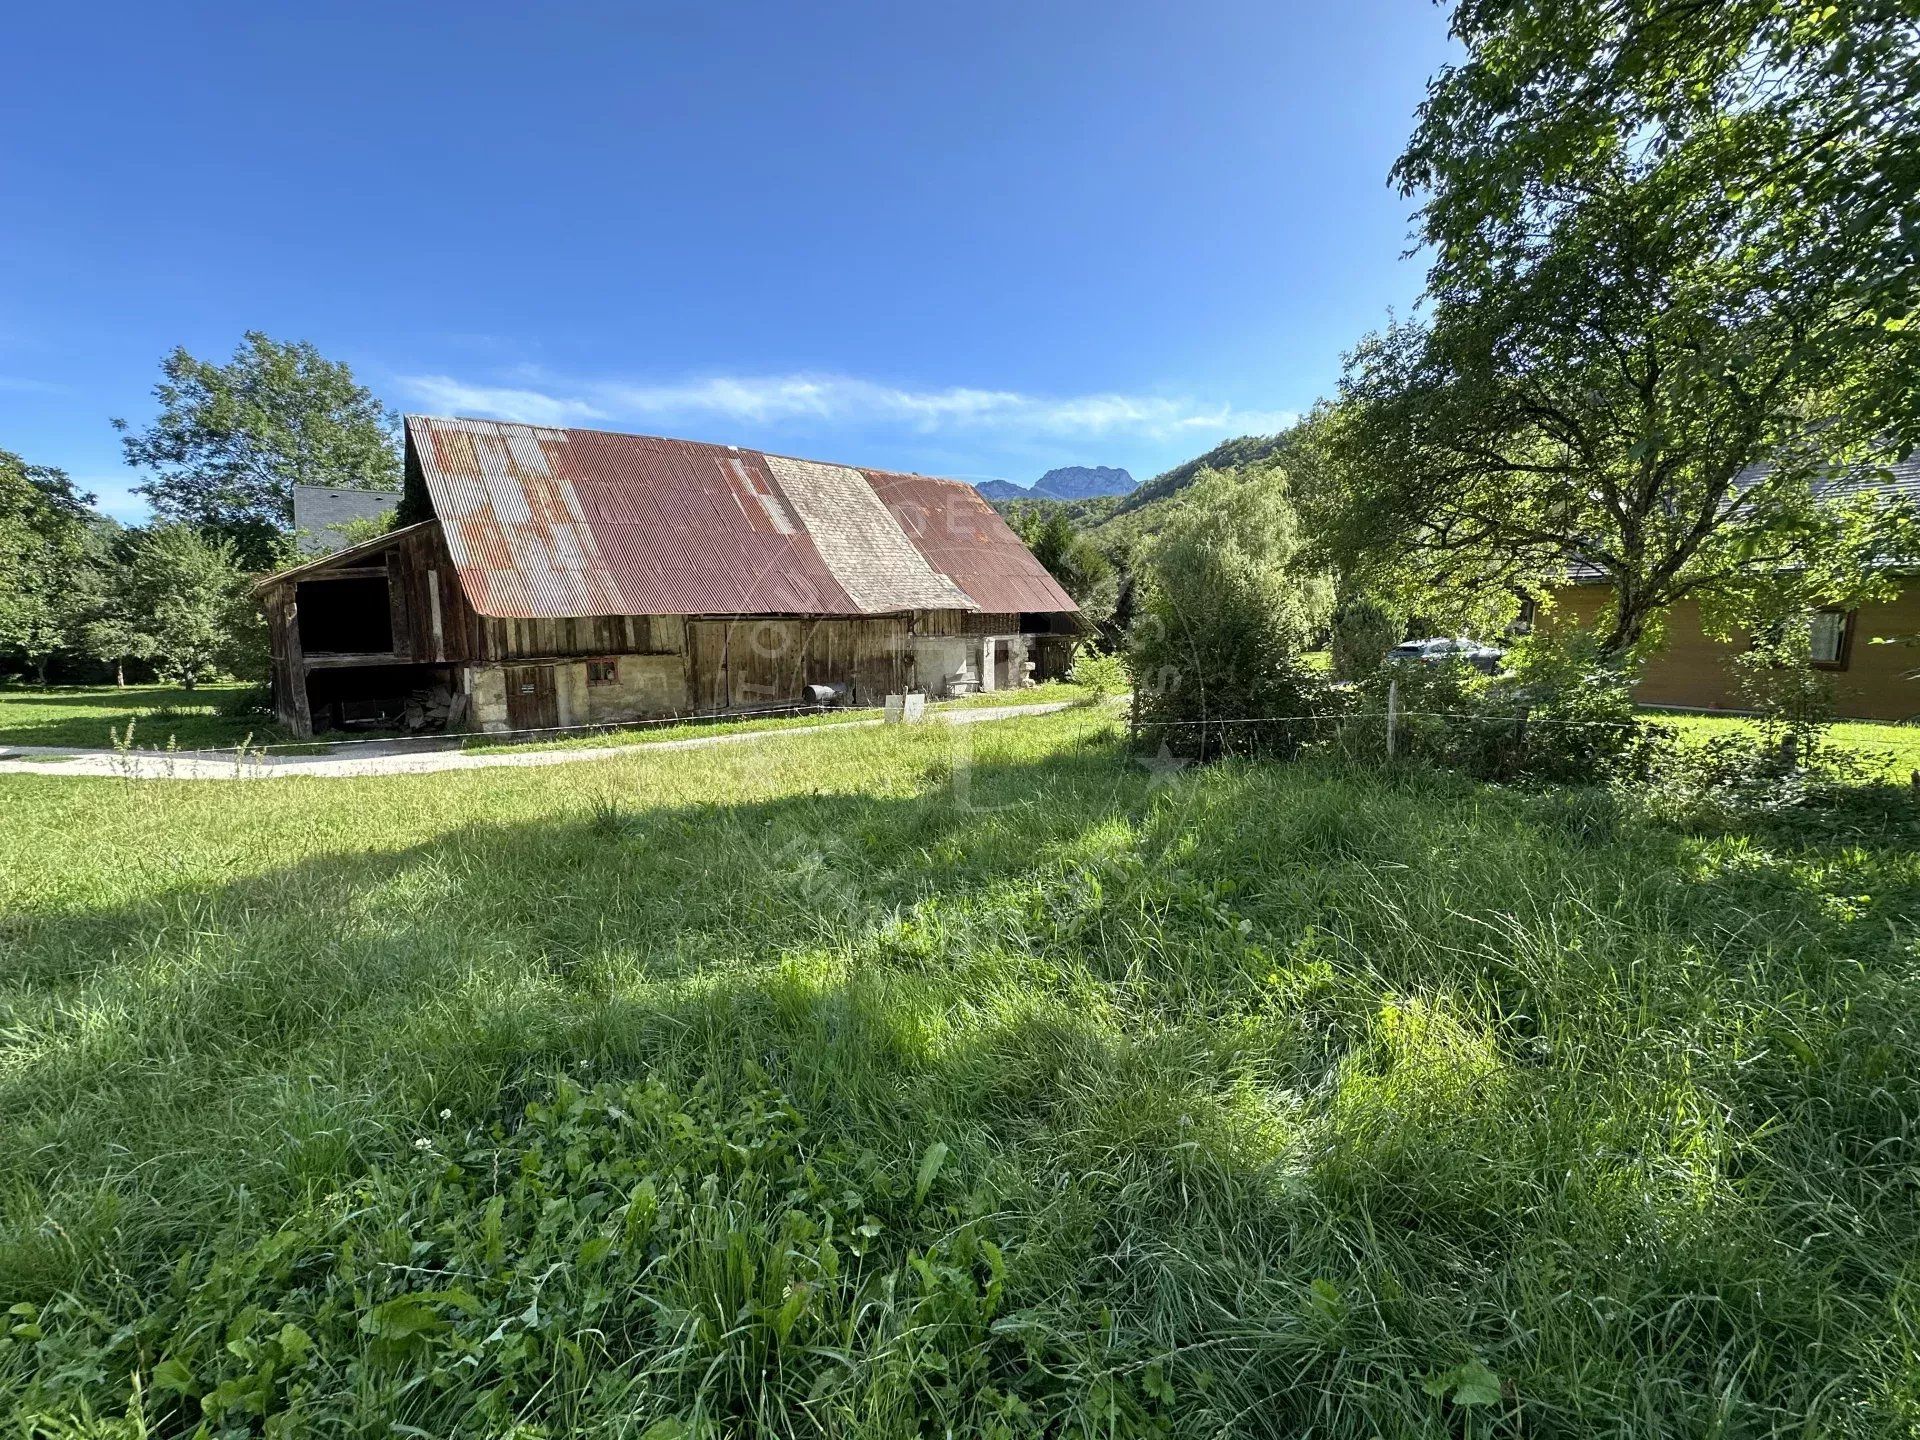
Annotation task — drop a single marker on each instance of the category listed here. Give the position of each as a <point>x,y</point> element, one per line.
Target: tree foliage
<point>231,441</point>
<point>1073,560</point>
<point>1660,305</point>
<point>1363,630</point>
<point>187,606</point>
<point>1228,607</point>
<point>43,559</point>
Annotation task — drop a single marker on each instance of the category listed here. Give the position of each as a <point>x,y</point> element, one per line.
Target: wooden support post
<point>1393,715</point>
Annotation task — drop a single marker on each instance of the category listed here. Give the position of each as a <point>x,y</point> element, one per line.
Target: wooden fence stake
<point>1393,714</point>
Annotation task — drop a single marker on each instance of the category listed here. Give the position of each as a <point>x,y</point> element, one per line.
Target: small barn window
<point>603,672</point>
<point>1830,633</point>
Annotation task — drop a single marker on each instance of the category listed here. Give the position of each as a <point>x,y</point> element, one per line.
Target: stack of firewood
<point>427,709</point>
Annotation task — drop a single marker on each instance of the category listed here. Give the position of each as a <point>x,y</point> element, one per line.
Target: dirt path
<point>380,760</point>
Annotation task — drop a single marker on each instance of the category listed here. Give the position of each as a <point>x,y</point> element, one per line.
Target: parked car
<point>1486,658</point>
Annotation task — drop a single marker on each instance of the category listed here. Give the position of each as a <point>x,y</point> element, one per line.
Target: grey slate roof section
<point>318,509</point>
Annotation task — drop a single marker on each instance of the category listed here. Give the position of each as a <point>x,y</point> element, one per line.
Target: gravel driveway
<point>401,757</point>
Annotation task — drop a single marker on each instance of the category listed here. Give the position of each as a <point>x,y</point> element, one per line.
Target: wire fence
<point>1518,721</point>
<point>442,740</point>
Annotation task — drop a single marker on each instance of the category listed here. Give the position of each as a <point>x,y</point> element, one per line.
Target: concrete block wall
<point>936,657</point>
<point>486,698</point>
<point>644,686</point>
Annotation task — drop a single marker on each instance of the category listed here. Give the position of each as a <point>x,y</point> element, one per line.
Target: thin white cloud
<point>529,407</point>
<point>847,399</point>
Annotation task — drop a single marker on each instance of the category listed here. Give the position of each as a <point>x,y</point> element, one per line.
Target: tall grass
<point>780,1090</point>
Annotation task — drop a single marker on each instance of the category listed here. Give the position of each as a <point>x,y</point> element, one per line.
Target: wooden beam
<point>336,662</point>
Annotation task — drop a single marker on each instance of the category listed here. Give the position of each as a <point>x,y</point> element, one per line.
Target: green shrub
<point>1581,725</point>
<point>1558,713</point>
<point>1746,780</point>
<point>1101,673</point>
<point>1216,652</point>
<point>247,702</point>
<point>1793,700</point>
<point>1363,631</point>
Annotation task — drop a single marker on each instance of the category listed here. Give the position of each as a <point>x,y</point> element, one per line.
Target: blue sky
<point>976,240</point>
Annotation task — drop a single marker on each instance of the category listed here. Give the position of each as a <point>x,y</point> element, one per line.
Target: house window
<point>1831,636</point>
<point>602,672</point>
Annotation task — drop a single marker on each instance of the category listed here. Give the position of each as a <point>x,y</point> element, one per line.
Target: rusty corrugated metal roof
<point>548,523</point>
<point>964,538</point>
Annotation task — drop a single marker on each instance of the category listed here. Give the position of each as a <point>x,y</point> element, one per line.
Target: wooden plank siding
<point>746,662</point>
<point>729,662</point>
<point>966,622</point>
<point>586,635</point>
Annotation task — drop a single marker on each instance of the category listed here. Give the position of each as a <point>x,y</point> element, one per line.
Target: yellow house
<point>1694,670</point>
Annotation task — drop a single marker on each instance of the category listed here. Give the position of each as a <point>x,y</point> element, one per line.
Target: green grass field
<point>1898,746</point>
<point>86,716</point>
<point>975,1082</point>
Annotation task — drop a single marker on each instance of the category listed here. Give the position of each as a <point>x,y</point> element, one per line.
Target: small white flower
<point>446,1114</point>
<point>423,1143</point>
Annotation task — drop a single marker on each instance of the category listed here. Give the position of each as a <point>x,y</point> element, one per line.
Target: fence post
<point>1393,714</point>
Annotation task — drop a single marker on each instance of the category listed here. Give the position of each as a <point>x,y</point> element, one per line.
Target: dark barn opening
<point>350,616</point>
<point>381,697</point>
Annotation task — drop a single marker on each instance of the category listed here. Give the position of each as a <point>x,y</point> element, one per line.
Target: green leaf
<point>172,1374</point>
<point>408,1315</point>
<point>1468,1384</point>
<point>1325,1298</point>
<point>789,1312</point>
<point>930,1164</point>
<point>595,1250</point>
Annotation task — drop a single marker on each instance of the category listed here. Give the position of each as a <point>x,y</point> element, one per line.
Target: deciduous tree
<point>1074,560</point>
<point>188,603</point>
<point>231,441</point>
<point>43,554</point>
<point>1227,610</point>
<point>1662,305</point>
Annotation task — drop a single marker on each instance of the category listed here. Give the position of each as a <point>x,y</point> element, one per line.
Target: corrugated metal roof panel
<point>964,538</point>
<point>548,523</point>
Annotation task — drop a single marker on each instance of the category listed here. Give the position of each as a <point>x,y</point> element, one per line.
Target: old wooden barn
<point>554,578</point>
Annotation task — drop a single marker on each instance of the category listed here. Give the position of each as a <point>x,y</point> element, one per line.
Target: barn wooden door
<point>766,663</point>
<point>531,701</point>
<point>707,665</point>
<point>878,666</point>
